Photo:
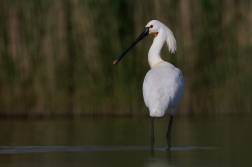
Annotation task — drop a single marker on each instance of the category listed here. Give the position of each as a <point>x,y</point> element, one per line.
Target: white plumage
<point>162,88</point>
<point>163,85</point>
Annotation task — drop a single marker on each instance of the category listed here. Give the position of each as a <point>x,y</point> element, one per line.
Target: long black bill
<point>142,36</point>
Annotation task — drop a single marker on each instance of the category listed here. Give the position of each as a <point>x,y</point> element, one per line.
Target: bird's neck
<point>154,57</point>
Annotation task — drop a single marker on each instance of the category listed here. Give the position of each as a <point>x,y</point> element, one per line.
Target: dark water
<point>125,142</point>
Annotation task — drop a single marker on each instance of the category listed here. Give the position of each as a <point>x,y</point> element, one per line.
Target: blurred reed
<point>56,56</point>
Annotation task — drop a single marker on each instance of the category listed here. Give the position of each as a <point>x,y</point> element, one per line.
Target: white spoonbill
<point>163,85</point>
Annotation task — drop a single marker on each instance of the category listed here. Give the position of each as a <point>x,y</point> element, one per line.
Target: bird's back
<point>163,87</point>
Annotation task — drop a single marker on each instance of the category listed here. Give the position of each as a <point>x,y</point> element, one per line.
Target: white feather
<point>163,85</point>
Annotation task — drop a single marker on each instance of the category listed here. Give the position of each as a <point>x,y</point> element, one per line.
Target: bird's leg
<point>168,134</point>
<point>152,132</point>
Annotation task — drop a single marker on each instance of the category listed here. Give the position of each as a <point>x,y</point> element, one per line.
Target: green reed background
<point>56,56</point>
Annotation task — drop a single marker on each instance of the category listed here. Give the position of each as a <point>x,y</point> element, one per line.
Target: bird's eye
<point>151,26</point>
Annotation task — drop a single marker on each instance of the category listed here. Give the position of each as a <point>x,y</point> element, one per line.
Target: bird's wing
<point>162,87</point>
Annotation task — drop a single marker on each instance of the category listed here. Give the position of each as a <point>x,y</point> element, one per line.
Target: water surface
<point>125,142</point>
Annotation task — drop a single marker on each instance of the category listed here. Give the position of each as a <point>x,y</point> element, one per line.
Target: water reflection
<point>40,149</point>
<point>125,142</point>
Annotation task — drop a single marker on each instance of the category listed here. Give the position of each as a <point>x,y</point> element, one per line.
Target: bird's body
<point>163,85</point>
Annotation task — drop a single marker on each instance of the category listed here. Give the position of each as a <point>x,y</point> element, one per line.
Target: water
<point>125,142</point>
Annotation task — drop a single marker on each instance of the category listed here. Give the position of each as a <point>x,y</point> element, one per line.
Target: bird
<point>163,85</point>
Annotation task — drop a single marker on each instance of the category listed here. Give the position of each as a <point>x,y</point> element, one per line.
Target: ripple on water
<point>39,149</point>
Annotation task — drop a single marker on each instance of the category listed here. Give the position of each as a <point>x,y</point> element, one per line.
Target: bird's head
<point>153,27</point>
